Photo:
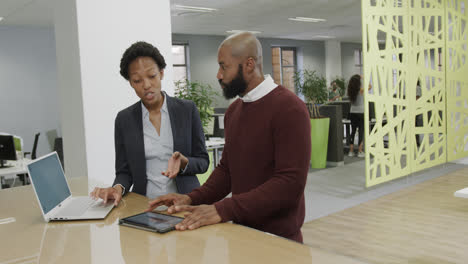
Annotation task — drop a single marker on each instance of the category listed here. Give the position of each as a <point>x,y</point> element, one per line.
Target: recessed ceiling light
<point>1,18</point>
<point>325,37</point>
<point>307,19</point>
<point>234,31</point>
<point>194,8</point>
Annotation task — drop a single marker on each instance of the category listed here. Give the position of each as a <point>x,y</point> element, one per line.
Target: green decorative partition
<point>457,81</point>
<point>413,50</point>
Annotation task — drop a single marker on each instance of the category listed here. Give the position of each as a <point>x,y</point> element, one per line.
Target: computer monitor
<point>7,149</point>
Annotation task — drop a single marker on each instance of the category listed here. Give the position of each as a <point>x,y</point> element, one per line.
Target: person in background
<point>333,93</point>
<point>356,114</point>
<point>159,140</point>
<point>266,156</point>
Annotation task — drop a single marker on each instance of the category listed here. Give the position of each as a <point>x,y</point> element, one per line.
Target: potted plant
<point>201,94</point>
<point>314,88</point>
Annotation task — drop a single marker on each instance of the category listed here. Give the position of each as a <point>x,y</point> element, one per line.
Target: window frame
<point>186,58</point>
<point>281,49</point>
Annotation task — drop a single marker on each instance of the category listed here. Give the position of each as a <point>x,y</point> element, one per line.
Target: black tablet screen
<point>156,221</point>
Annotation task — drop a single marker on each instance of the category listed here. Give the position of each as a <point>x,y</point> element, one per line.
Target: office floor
<point>423,223</point>
<point>334,189</point>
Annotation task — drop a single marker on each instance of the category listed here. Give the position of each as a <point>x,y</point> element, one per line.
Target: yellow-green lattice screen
<point>457,81</point>
<point>405,43</point>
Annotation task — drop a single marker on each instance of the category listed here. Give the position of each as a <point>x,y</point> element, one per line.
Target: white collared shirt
<point>261,90</point>
<point>158,151</point>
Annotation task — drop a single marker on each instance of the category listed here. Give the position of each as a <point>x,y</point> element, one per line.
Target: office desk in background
<point>18,167</point>
<point>26,238</point>
<point>216,145</point>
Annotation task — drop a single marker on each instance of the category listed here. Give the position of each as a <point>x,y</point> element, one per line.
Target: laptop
<point>54,195</point>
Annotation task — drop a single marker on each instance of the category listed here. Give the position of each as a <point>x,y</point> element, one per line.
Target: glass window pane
<point>288,57</point>
<point>180,73</point>
<point>288,78</point>
<point>276,65</point>
<point>178,53</point>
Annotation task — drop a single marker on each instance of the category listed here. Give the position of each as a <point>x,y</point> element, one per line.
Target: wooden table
<point>26,238</point>
<point>424,223</point>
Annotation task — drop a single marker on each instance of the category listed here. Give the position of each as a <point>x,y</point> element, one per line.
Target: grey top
<point>358,105</point>
<point>158,151</point>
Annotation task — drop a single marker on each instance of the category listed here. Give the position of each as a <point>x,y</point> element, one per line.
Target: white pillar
<point>332,59</point>
<point>91,37</point>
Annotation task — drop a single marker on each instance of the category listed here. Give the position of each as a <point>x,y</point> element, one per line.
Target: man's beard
<point>236,87</point>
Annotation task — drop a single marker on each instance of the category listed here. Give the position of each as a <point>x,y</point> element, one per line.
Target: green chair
<point>203,177</point>
<point>18,143</point>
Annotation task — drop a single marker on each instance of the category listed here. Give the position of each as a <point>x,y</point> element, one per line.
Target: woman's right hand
<point>111,193</point>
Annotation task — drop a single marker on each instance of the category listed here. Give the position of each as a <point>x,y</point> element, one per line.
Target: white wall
<point>28,85</point>
<point>349,67</point>
<point>100,44</point>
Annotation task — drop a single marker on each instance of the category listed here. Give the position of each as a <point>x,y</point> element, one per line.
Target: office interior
<point>60,80</point>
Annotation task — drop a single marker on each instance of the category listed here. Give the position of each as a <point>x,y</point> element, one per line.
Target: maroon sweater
<point>264,164</point>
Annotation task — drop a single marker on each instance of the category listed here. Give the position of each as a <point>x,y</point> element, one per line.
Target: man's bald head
<point>244,45</point>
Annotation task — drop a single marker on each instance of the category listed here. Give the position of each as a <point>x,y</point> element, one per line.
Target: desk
<point>26,238</point>
<point>19,167</point>
<point>423,223</point>
<point>215,145</point>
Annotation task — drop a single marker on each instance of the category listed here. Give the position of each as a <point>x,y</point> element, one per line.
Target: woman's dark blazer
<point>187,133</point>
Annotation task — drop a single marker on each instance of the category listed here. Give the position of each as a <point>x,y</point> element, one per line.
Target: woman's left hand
<point>176,162</point>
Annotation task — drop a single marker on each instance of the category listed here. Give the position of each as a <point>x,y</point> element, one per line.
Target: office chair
<point>25,177</point>
<point>33,152</point>
<point>58,147</point>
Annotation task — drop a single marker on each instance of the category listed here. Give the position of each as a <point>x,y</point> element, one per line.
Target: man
<point>333,94</point>
<point>266,156</point>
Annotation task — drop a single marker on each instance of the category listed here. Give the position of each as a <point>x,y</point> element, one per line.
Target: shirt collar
<point>261,90</point>
<point>145,111</point>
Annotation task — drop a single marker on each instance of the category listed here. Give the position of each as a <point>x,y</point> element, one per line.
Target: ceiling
<point>267,16</point>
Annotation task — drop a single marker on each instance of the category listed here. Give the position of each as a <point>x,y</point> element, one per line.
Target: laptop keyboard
<point>78,206</point>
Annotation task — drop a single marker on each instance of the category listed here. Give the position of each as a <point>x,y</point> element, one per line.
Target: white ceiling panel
<point>269,17</point>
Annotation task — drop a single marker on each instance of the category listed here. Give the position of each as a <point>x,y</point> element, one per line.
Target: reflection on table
<point>27,238</point>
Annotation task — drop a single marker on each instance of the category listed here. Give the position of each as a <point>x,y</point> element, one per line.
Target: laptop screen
<point>49,182</point>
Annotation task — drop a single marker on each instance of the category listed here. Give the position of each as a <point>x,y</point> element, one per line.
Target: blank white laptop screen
<point>49,182</point>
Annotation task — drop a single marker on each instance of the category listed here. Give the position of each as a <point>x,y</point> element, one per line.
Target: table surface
<point>26,238</point>
<point>424,223</point>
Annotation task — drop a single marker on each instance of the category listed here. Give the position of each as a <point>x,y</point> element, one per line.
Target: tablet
<point>152,221</point>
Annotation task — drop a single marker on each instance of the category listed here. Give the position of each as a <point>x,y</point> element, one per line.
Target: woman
<point>159,141</point>
<point>356,113</point>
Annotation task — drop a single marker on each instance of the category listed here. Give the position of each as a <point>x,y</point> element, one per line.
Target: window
<point>284,66</point>
<point>179,54</point>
